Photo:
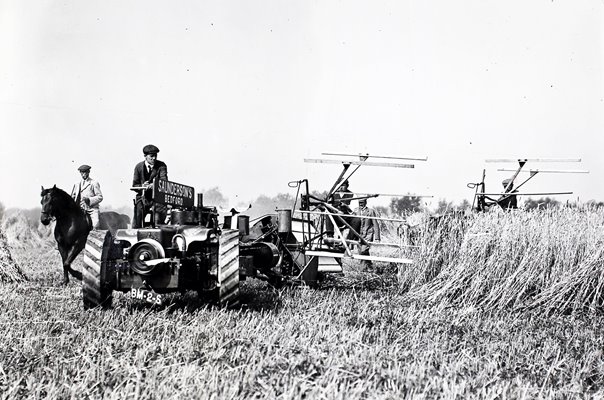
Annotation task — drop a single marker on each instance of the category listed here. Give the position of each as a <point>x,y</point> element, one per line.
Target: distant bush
<point>405,205</point>
<point>543,202</point>
<point>267,205</point>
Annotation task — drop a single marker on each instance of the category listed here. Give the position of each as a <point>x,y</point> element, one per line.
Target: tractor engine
<point>191,252</point>
<point>173,257</point>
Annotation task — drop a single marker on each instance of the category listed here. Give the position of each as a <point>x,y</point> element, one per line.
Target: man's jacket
<point>340,199</point>
<point>370,228</point>
<point>141,175</point>
<point>90,189</point>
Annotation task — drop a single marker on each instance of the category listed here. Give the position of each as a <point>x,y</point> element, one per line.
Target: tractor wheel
<point>228,268</point>
<point>97,274</point>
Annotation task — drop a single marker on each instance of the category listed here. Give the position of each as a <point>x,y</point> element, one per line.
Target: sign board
<point>174,194</point>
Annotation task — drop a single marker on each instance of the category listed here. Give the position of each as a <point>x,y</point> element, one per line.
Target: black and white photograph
<point>263,199</point>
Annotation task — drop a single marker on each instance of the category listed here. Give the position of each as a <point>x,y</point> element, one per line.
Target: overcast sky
<point>237,93</point>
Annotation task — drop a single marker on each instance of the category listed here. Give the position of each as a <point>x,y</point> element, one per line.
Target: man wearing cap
<point>87,193</point>
<point>370,229</point>
<point>508,202</point>
<point>340,200</point>
<point>341,197</point>
<point>144,174</point>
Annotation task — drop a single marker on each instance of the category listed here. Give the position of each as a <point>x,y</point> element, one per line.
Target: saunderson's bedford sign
<point>174,194</point>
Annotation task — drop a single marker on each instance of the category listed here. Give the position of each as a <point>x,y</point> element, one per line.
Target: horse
<point>71,229</point>
<point>112,221</point>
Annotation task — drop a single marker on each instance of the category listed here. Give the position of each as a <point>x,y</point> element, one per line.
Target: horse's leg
<point>63,254</point>
<point>71,255</point>
<point>62,246</point>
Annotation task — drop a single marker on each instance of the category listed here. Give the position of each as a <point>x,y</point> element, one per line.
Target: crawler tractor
<point>194,252</point>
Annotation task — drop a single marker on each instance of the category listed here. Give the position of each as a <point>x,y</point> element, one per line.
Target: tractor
<point>193,252</point>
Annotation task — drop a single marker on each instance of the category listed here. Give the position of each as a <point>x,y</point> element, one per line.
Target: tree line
<point>264,204</point>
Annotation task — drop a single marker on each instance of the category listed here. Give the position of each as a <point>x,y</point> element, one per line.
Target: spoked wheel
<point>228,268</point>
<point>98,271</point>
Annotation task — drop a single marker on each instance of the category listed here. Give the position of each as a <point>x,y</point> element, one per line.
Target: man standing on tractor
<point>87,194</point>
<point>144,174</point>
<point>370,230</point>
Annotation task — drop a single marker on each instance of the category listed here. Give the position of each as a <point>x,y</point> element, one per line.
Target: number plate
<point>146,295</point>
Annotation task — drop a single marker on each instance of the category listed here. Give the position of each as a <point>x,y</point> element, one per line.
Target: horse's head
<point>48,206</point>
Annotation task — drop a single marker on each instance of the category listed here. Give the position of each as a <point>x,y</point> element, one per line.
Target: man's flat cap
<point>84,168</point>
<point>150,149</point>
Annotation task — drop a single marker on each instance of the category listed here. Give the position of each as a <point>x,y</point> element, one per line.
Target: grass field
<point>460,323</point>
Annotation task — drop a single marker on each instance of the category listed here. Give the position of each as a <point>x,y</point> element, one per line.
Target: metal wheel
<point>99,254</point>
<point>228,268</point>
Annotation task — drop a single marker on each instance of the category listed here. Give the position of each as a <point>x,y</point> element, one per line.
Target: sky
<point>236,94</point>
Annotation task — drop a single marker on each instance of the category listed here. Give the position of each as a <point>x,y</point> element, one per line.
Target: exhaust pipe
<point>243,223</point>
<point>285,221</point>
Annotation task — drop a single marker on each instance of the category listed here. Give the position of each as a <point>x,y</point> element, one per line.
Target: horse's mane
<point>65,201</point>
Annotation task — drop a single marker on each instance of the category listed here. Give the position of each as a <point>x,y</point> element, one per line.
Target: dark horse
<point>112,221</point>
<point>73,225</point>
<point>71,230</point>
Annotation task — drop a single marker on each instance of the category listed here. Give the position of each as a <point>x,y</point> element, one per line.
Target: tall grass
<point>334,343</point>
<point>10,271</point>
<point>465,321</point>
<point>551,259</point>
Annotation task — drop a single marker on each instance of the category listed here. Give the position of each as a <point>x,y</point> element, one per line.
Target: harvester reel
<point>228,268</point>
<point>99,257</point>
